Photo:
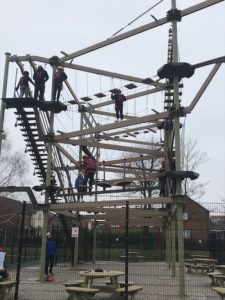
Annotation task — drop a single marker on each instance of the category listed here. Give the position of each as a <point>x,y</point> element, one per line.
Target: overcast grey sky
<point>45,28</point>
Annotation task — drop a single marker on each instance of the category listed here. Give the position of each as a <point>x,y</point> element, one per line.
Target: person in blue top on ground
<point>79,185</point>
<point>119,98</point>
<point>50,254</point>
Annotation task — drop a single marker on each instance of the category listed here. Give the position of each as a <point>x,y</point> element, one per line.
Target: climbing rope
<point>141,15</point>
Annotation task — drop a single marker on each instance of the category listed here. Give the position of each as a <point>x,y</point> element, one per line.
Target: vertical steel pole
<point>95,223</point>
<point>47,183</point>
<point>4,90</point>
<point>173,248</point>
<point>180,226</point>
<point>169,244</point>
<point>76,246</point>
<point>20,250</point>
<point>126,249</point>
<point>166,244</point>
<point>76,240</point>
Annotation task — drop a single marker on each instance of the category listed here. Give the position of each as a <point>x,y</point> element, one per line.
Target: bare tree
<point>13,166</point>
<point>191,160</point>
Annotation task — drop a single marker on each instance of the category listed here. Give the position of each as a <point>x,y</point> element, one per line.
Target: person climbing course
<point>89,166</point>
<point>40,77</point>
<point>119,98</point>
<point>23,84</point>
<point>79,185</point>
<point>60,76</point>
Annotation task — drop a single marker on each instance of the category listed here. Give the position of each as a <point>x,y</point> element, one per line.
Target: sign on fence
<point>75,232</point>
<point>2,258</point>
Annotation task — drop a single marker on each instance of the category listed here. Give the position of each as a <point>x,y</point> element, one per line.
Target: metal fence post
<point>20,250</point>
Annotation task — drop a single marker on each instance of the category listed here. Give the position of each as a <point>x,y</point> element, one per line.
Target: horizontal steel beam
<point>138,30</point>
<point>118,125</point>
<point>87,206</point>
<point>77,142</point>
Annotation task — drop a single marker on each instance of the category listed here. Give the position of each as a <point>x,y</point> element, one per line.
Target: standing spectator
<point>23,84</point>
<point>119,98</point>
<point>50,255</point>
<point>79,185</point>
<point>40,77</point>
<point>89,166</point>
<point>60,76</point>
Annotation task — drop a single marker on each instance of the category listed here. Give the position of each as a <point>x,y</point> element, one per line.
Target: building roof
<point>8,204</point>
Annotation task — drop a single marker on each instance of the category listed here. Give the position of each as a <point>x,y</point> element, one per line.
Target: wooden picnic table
<point>201,265</point>
<point>90,276</point>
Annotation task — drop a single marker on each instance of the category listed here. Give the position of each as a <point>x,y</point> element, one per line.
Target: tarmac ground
<point>154,277</point>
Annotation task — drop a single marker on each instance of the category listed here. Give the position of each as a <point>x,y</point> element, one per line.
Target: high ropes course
<point>130,172</point>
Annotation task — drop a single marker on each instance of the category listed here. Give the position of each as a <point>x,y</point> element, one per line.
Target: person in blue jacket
<point>79,185</point>
<point>50,254</point>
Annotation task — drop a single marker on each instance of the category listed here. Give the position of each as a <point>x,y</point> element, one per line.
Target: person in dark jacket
<point>23,84</point>
<point>50,254</point>
<point>162,180</point>
<point>119,98</point>
<point>60,76</point>
<point>79,185</point>
<point>89,166</point>
<point>40,77</point>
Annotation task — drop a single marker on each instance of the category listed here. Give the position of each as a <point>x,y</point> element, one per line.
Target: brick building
<point>196,222</point>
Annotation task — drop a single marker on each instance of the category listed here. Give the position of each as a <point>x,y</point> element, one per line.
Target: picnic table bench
<point>200,265</point>
<point>132,290</point>
<point>121,283</point>
<point>78,282</point>
<point>220,268</point>
<point>220,291</point>
<point>5,288</point>
<point>199,268</point>
<point>133,256</point>
<point>219,280</point>
<point>211,276</point>
<point>79,293</point>
<point>199,256</point>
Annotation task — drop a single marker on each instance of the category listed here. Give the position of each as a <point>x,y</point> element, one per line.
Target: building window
<point>187,234</point>
<point>185,216</point>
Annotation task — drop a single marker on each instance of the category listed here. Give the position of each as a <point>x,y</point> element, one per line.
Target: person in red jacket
<point>89,166</point>
<point>23,84</point>
<point>60,76</point>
